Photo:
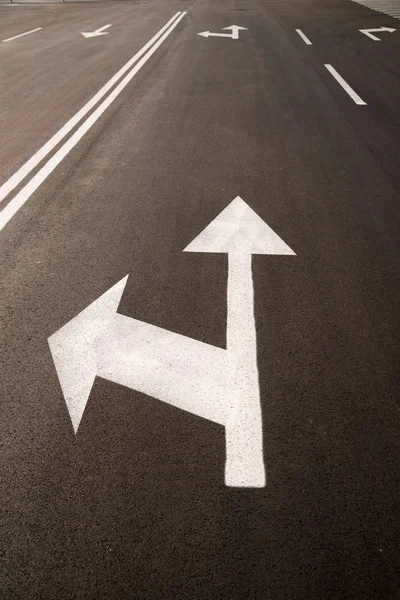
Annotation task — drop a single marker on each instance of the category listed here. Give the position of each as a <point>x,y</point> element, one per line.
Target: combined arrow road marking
<point>218,384</point>
<point>101,31</point>
<point>370,32</point>
<point>233,36</point>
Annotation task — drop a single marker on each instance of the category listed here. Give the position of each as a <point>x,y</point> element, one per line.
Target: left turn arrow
<point>101,31</point>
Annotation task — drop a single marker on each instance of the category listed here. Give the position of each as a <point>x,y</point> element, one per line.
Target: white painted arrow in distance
<point>233,36</point>
<point>370,32</point>
<point>216,384</point>
<point>101,31</point>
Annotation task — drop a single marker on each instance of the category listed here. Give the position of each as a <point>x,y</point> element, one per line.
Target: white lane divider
<point>304,37</point>
<point>353,95</point>
<point>15,37</point>
<point>34,161</point>
<point>19,200</point>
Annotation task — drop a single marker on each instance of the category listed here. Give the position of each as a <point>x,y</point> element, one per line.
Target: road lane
<point>371,69</point>
<point>135,504</point>
<point>44,82</point>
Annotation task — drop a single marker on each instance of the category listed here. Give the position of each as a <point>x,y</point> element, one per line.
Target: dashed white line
<point>346,86</point>
<point>304,37</point>
<point>15,37</point>
<point>26,192</point>
<point>33,162</point>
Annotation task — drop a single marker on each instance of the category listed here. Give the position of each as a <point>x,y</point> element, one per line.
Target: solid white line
<point>15,37</point>
<point>33,162</point>
<point>346,86</point>
<point>19,200</point>
<point>304,37</point>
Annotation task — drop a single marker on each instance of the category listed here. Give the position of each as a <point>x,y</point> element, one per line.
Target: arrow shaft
<point>244,443</point>
<point>370,32</point>
<point>102,29</point>
<point>173,368</point>
<point>371,35</point>
<point>225,35</point>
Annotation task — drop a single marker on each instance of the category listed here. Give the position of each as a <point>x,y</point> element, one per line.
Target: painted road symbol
<point>234,35</point>
<point>370,32</point>
<point>218,384</point>
<point>101,31</point>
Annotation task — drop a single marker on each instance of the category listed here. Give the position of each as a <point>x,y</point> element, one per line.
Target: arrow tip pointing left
<point>204,34</point>
<point>74,353</point>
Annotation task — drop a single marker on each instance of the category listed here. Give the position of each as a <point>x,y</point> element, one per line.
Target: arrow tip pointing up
<point>239,229</point>
<point>237,27</point>
<point>74,355</point>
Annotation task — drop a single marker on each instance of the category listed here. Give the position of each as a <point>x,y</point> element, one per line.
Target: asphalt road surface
<point>135,438</point>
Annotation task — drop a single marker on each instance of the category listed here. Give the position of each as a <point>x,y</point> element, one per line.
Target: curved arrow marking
<point>218,384</point>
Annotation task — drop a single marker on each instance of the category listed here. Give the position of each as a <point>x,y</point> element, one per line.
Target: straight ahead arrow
<point>370,32</point>
<point>101,31</point>
<point>218,384</point>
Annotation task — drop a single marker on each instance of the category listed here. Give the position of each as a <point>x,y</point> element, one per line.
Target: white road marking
<point>304,37</point>
<point>346,86</point>
<point>15,37</point>
<point>33,162</point>
<point>240,232</point>
<point>100,31</point>
<point>392,9</point>
<point>19,200</point>
<point>370,32</point>
<point>233,36</point>
<point>173,368</point>
<point>216,384</point>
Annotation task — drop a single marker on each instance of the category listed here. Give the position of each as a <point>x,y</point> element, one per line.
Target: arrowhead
<point>237,27</point>
<point>204,34</point>
<point>239,229</point>
<point>91,34</point>
<point>390,29</point>
<point>72,348</point>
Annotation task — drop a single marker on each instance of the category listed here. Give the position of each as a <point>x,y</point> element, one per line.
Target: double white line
<point>25,193</point>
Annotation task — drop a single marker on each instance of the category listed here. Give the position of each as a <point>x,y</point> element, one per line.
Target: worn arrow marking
<point>101,31</point>
<point>218,384</point>
<point>233,36</point>
<point>370,32</point>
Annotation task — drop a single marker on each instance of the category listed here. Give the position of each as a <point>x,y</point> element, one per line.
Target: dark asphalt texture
<point>135,506</point>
